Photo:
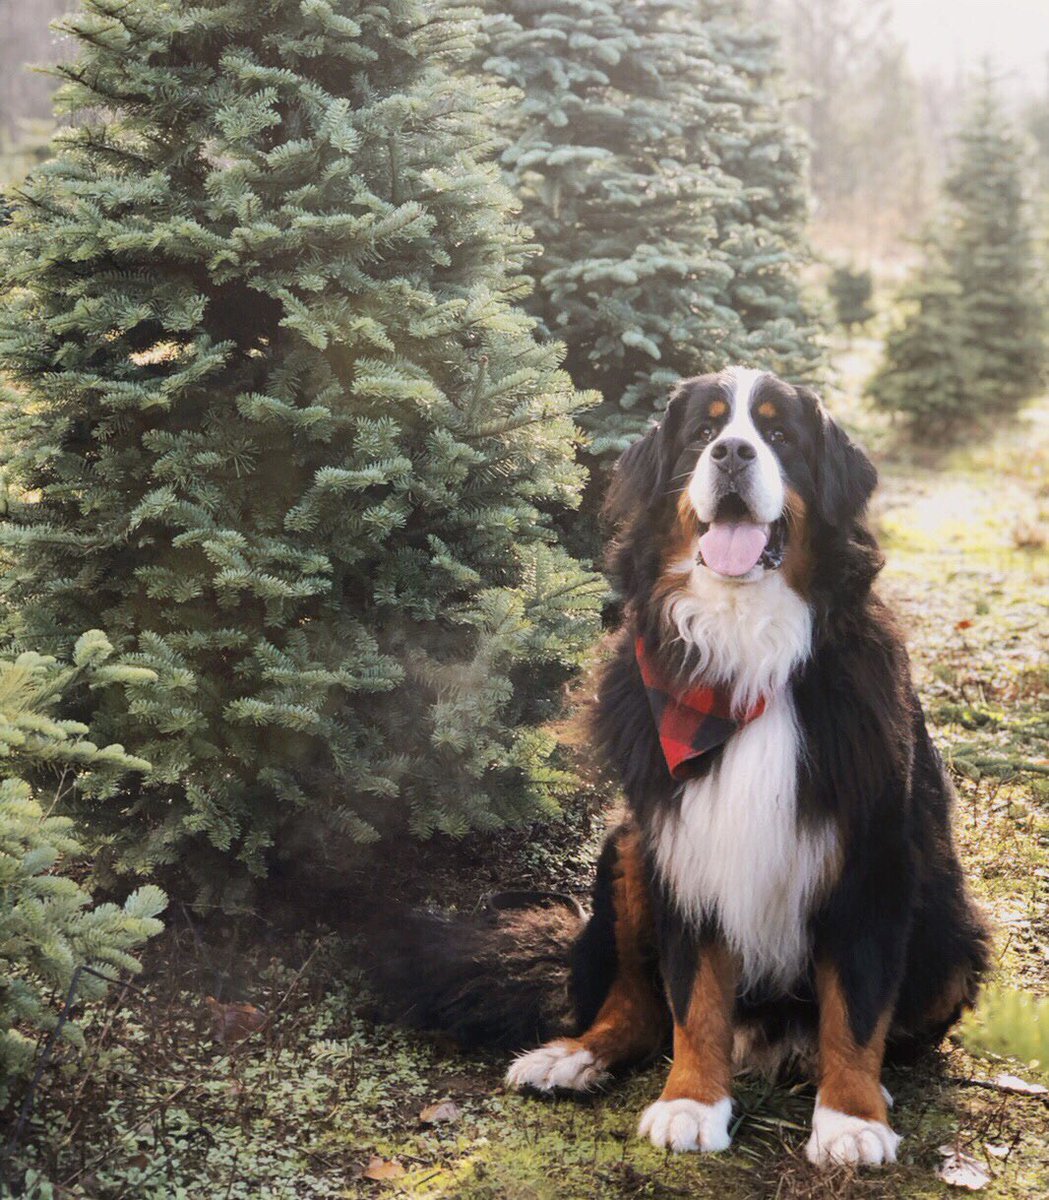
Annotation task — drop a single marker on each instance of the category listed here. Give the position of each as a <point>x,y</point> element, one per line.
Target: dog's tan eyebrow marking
<point>767,409</point>
<point>718,408</point>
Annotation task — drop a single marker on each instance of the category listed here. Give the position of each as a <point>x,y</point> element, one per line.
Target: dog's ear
<point>635,478</point>
<point>845,476</point>
<point>641,477</point>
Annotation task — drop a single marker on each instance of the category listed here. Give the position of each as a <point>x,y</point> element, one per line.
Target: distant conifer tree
<point>665,188</point>
<point>972,338</point>
<point>281,431</point>
<point>851,289</point>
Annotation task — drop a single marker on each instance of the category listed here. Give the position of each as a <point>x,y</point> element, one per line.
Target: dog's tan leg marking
<point>850,1121</point>
<point>694,1110</point>
<point>632,1021</point>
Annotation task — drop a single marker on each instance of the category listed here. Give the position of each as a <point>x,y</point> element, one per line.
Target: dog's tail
<point>501,978</point>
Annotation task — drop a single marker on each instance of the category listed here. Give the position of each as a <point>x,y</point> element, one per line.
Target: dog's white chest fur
<point>734,850</point>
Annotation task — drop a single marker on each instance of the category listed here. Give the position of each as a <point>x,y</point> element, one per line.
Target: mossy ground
<point>297,1110</point>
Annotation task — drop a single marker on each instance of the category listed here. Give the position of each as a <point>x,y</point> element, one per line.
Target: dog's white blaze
<point>768,494</point>
<point>734,850</point>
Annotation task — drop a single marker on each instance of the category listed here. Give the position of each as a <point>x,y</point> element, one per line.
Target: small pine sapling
<point>48,927</point>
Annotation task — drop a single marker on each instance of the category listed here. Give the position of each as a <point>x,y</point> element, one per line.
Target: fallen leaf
<point>444,1110</point>
<point>963,625</point>
<point>1013,1083</point>
<point>961,1170</point>
<point>232,1023</point>
<point>382,1168</point>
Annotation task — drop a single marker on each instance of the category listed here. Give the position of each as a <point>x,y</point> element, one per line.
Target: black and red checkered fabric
<point>690,723</point>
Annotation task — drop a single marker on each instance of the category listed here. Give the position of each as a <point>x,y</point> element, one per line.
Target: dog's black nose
<point>733,454</point>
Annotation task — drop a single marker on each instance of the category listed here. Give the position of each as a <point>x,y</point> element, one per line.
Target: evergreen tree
<point>763,233</point>
<point>992,252</point>
<point>628,271</point>
<point>655,169</point>
<point>851,289</point>
<point>928,368</point>
<point>972,339</point>
<point>283,433</point>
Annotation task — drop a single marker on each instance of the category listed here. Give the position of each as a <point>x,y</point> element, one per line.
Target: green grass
<point>298,1110</point>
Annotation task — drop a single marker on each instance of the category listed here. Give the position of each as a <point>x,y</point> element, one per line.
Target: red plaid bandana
<point>689,723</point>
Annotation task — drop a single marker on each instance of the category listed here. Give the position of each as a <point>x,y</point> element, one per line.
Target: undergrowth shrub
<point>1013,1023</point>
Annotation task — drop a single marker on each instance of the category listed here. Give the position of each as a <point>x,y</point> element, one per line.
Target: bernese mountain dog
<point>785,885</point>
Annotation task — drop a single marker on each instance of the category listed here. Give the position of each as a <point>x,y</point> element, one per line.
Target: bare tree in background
<point>26,38</point>
<point>864,114</point>
<point>1036,123</point>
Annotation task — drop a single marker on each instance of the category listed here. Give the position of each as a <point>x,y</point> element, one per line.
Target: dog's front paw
<point>687,1125</point>
<point>563,1064</point>
<point>839,1138</point>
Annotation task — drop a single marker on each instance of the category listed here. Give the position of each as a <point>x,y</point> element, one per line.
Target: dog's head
<point>746,474</point>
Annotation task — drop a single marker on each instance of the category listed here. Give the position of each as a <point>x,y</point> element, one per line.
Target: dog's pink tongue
<point>732,549</point>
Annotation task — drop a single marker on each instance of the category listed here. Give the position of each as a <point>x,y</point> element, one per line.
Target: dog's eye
<point>706,432</point>
<point>777,435</point>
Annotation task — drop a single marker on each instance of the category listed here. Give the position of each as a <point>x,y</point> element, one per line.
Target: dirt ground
<point>304,1096</point>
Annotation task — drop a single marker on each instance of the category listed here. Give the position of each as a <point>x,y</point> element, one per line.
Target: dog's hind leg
<point>623,1015</point>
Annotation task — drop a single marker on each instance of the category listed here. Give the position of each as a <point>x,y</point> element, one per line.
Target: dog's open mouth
<point>733,544</point>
